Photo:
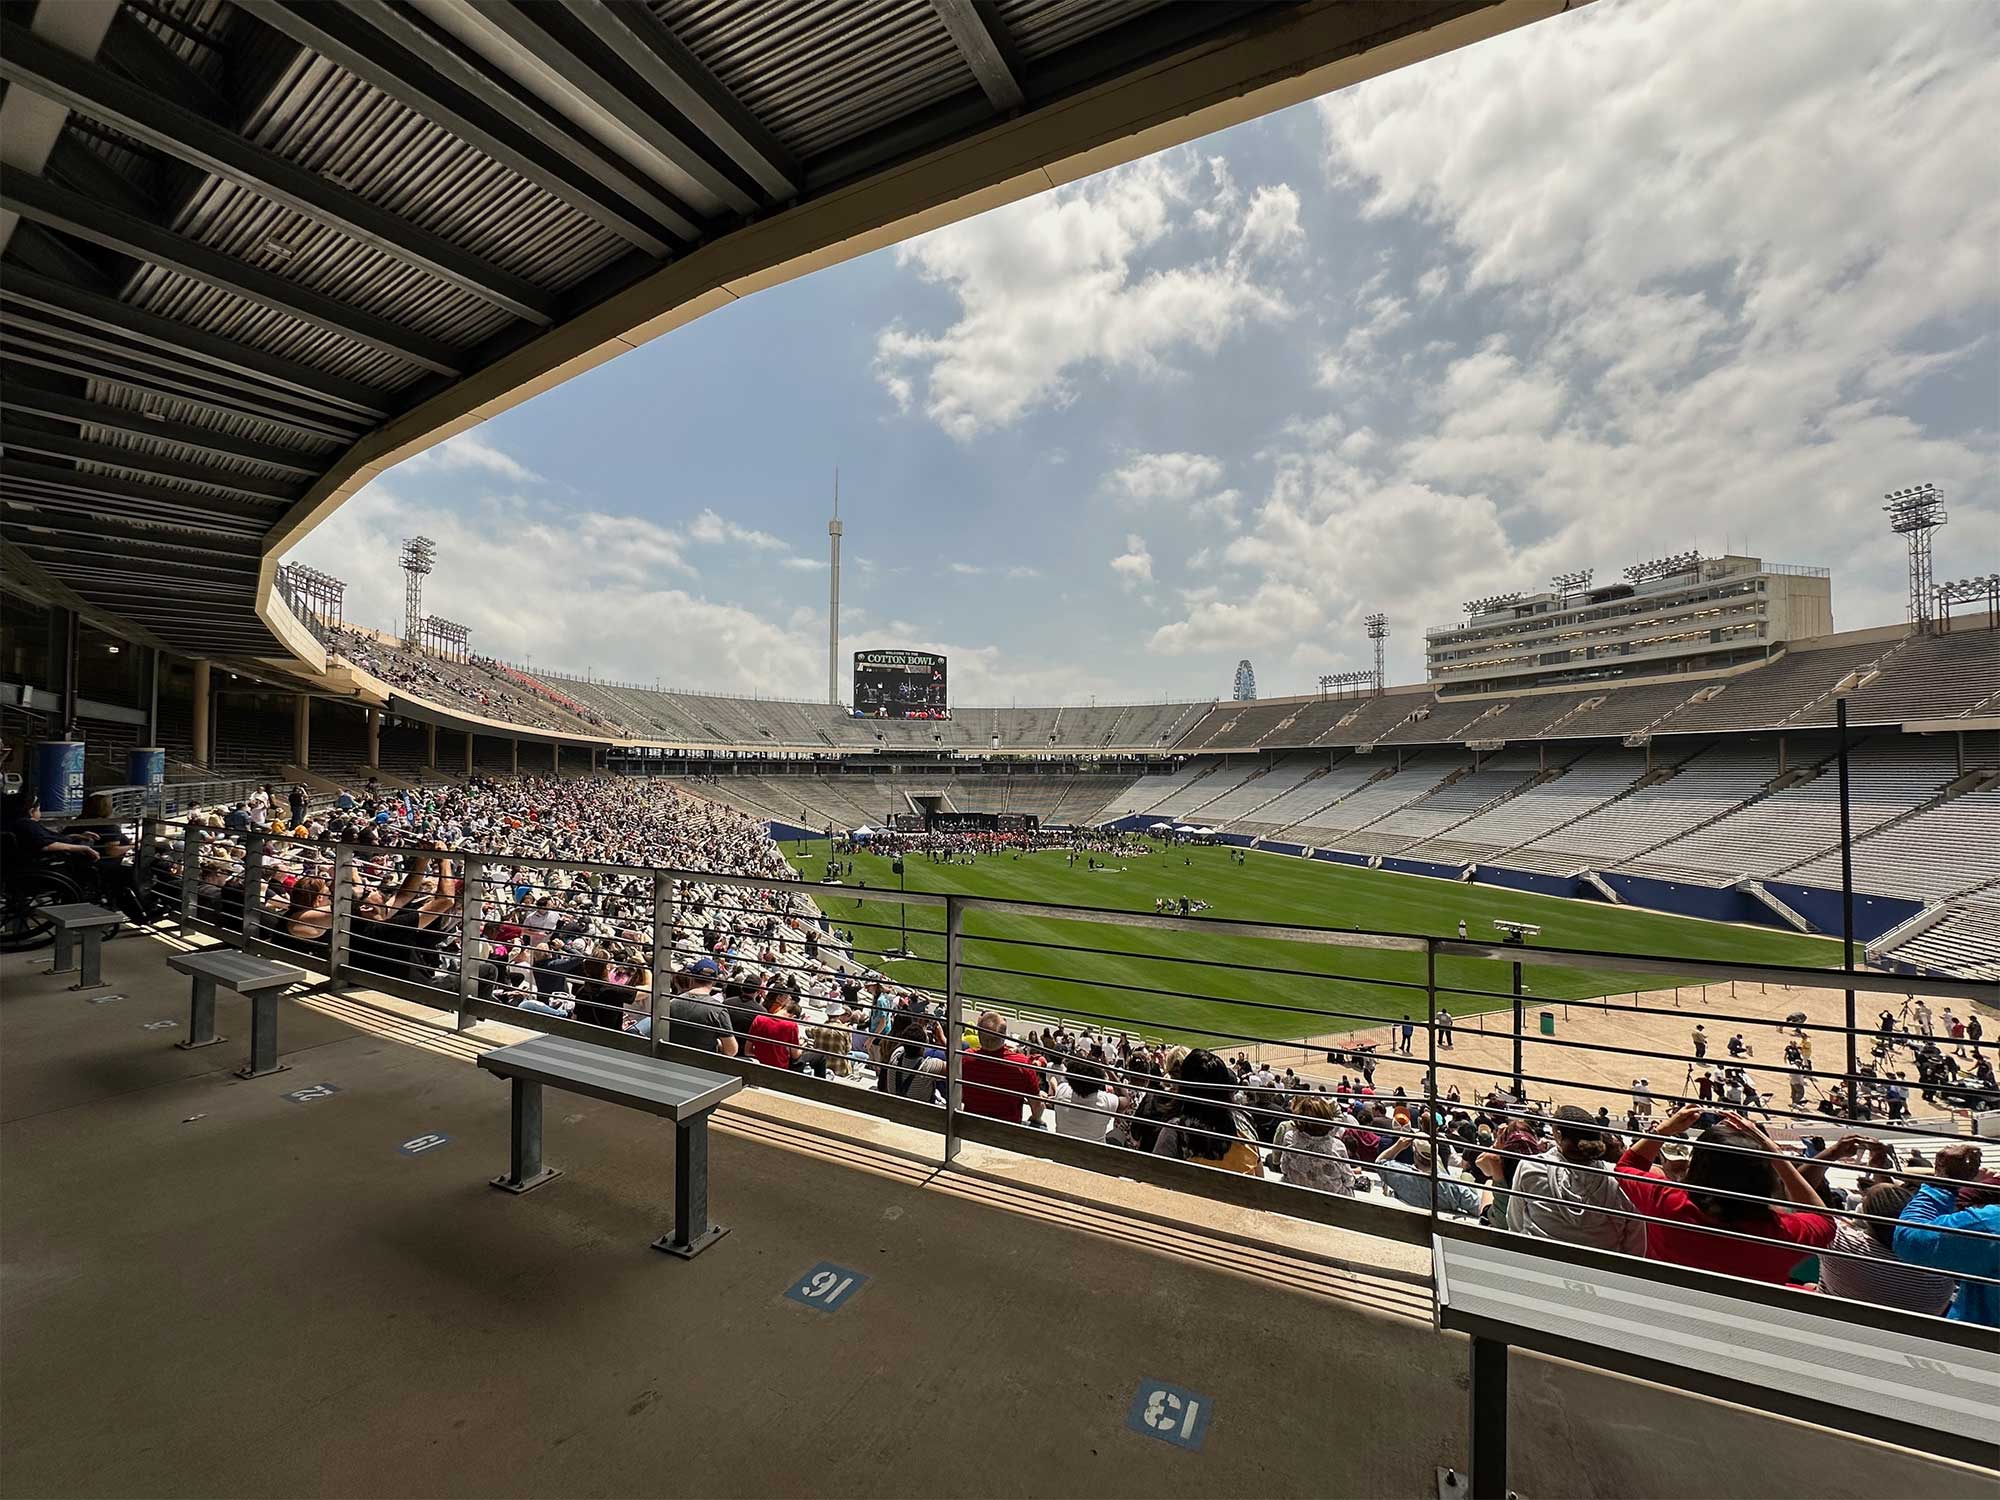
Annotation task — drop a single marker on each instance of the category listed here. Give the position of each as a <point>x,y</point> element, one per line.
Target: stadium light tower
<point>419,557</point>
<point>833,601</point>
<point>1914,513</point>
<point>1567,584</point>
<point>1378,632</point>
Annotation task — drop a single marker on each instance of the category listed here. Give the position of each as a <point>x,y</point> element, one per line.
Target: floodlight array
<point>1920,507</point>
<point>1663,567</point>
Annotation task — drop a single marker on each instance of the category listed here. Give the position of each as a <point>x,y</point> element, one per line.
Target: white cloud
<point>714,530</point>
<point>1187,484</point>
<point>1713,305</point>
<point>1169,478</point>
<point>1271,225</point>
<point>997,570</point>
<point>1134,565</point>
<point>467,452</point>
<point>1053,286</point>
<point>614,595</point>
<point>605,589</point>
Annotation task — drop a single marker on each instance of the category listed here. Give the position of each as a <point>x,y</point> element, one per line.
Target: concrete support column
<point>72,651</point>
<point>202,710</point>
<point>430,747</point>
<point>302,732</point>
<point>468,752</point>
<point>555,760</point>
<point>517,757</point>
<point>1784,762</point>
<point>153,696</point>
<point>375,739</point>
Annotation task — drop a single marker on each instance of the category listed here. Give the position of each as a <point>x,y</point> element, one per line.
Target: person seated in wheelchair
<point>21,816</point>
<point>94,861</point>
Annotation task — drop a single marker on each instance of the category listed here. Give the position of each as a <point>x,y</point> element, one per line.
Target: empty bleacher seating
<point>1940,852</point>
<point>1888,777</point>
<point>1964,943</point>
<point>1706,785</point>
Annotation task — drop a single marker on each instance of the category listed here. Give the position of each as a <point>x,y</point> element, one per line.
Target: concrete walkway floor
<point>212,1288</point>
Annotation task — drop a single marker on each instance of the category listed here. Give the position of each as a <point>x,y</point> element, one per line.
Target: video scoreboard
<point>899,685</point>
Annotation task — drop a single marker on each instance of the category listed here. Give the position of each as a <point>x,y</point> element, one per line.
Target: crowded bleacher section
<point>566,898</point>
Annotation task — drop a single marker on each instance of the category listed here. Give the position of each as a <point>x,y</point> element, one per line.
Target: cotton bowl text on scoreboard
<point>899,685</point>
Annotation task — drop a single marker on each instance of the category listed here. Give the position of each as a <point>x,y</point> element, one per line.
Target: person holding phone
<point>1722,1215</point>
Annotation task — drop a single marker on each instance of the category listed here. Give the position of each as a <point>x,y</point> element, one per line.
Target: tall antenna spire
<point>833,601</point>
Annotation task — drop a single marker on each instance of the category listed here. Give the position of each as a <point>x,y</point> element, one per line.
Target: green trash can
<point>1548,1023</point>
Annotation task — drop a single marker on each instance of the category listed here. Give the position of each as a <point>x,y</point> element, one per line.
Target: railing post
<point>340,924</point>
<point>1431,1065</point>
<point>471,946</point>
<point>144,860</point>
<point>663,954</point>
<point>253,885</point>
<point>1520,1021</point>
<point>191,839</point>
<point>954,1026</point>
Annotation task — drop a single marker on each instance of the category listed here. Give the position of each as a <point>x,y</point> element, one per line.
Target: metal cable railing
<point>751,975</point>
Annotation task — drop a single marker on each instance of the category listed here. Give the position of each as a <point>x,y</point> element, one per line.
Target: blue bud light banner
<point>147,768</point>
<point>59,777</point>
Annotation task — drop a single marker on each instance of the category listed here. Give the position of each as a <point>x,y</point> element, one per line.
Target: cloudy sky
<point>1643,278</point>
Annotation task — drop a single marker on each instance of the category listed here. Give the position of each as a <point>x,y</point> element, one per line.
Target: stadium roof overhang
<point>257,251</point>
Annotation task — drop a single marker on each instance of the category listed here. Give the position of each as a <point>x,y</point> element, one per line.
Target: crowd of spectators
<point>756,969</point>
<point>475,684</point>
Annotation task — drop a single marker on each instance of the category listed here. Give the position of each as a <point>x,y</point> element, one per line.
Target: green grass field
<point>1021,962</point>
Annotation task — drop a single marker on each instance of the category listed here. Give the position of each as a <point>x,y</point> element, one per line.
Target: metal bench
<point>671,1090</point>
<point>81,924</point>
<point>1900,1377</point>
<point>258,980</point>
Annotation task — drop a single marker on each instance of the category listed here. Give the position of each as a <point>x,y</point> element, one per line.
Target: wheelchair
<point>30,886</point>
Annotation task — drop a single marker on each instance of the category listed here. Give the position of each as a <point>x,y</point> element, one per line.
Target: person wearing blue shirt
<point>1412,1184</point>
<point>1924,1235</point>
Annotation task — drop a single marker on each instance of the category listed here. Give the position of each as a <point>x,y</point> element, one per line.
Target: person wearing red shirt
<point>774,1036</point>
<point>994,1081</point>
<point>1678,1217</point>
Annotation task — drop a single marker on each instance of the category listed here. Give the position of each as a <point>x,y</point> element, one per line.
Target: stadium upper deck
<point>1889,677</point>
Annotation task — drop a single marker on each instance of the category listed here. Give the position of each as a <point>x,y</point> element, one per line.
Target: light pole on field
<point>903,909</point>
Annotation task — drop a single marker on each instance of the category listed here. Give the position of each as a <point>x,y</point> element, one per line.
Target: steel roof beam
<point>85,507</point>
<point>54,207</point>
<point>83,365</point>
<point>137,50</point>
<point>122,557</point>
<point>199,598</point>
<point>105,312</point>
<point>548,35</point>
<point>127,533</point>
<point>192,137</point>
<point>199,509</point>
<point>400,54</point>
<point>15,438</point>
<point>48,332</point>
<point>981,38</point>
<point>650,48</point>
<point>179,601</point>
<point>18,398</point>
